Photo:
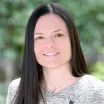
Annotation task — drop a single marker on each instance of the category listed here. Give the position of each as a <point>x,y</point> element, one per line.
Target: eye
<point>59,35</point>
<point>38,38</point>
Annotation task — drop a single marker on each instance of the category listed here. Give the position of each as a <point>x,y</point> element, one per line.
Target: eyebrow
<point>53,31</point>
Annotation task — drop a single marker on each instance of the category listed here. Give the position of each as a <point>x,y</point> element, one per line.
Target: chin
<point>51,66</point>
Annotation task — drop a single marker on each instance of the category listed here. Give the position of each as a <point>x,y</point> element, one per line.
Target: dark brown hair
<point>29,89</point>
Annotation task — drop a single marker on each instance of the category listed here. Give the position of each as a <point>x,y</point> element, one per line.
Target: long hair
<point>29,91</point>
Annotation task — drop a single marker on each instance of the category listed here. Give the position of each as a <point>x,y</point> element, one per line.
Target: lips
<point>51,54</point>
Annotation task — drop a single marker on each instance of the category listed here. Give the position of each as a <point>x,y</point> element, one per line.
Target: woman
<point>54,70</point>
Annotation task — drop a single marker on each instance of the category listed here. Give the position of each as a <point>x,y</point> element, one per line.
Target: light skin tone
<point>51,36</point>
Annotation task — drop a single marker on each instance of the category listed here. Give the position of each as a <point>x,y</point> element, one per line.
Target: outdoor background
<point>14,14</point>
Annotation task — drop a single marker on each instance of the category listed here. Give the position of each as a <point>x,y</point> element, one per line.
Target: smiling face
<point>52,45</point>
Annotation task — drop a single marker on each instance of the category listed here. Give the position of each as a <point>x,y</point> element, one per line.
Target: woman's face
<point>52,45</point>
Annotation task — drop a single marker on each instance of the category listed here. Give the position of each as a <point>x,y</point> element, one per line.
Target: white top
<point>87,90</point>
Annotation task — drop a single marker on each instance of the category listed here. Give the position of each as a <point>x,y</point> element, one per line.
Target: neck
<point>53,78</point>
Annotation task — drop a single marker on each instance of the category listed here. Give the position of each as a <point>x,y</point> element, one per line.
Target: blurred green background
<point>14,14</point>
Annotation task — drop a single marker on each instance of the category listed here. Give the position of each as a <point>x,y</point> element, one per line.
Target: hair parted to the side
<point>29,89</point>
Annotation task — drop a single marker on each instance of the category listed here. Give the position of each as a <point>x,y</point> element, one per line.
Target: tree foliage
<point>14,14</point>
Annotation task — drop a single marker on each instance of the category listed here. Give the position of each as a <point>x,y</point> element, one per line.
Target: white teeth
<point>50,54</point>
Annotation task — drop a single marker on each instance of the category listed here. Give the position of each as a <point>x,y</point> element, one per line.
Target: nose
<point>50,43</point>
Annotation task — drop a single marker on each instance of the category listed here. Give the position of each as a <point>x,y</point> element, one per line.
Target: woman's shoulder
<point>92,82</point>
<point>95,88</point>
<point>14,84</point>
<point>92,79</point>
<point>12,89</point>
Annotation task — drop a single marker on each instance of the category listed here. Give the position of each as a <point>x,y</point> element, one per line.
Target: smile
<point>51,54</point>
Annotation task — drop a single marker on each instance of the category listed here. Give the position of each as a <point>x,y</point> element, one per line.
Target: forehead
<point>50,22</point>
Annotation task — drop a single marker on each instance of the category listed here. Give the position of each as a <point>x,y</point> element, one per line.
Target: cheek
<point>66,48</point>
<point>37,49</point>
<point>66,45</point>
